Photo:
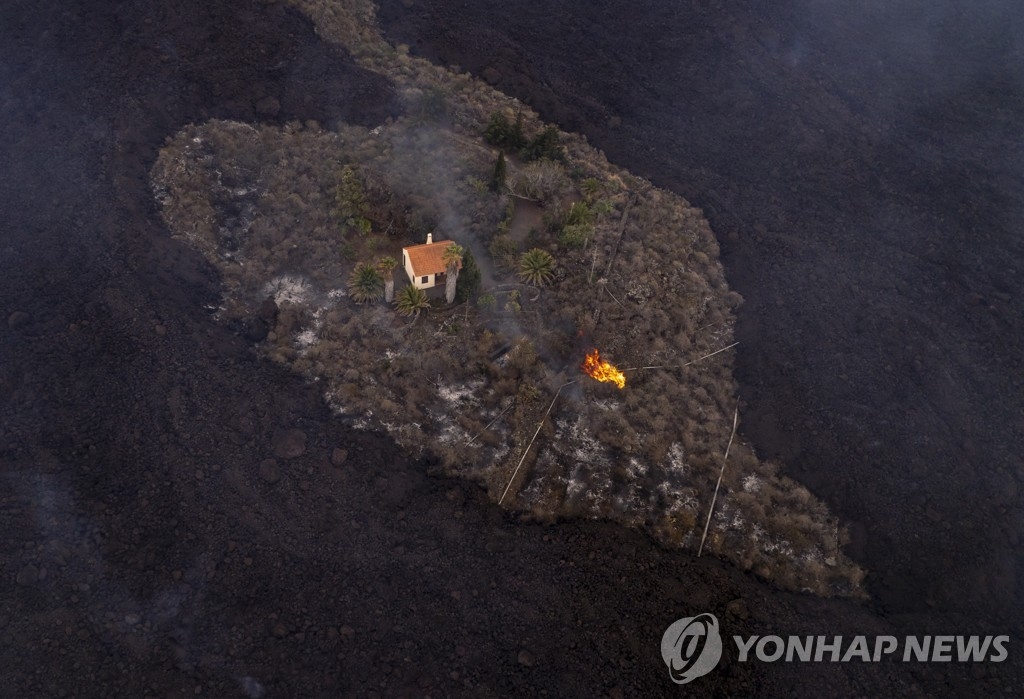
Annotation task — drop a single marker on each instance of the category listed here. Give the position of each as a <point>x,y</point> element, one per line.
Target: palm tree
<point>452,259</point>
<point>386,266</point>
<point>365,284</point>
<point>411,301</point>
<point>536,267</point>
<point>590,187</point>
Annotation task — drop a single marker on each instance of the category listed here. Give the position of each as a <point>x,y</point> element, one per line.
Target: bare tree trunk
<point>389,290</point>
<point>449,285</point>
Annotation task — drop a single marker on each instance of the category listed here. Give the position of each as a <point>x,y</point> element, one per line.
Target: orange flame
<point>602,371</point>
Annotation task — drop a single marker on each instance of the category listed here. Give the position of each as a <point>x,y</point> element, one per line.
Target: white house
<point>424,264</point>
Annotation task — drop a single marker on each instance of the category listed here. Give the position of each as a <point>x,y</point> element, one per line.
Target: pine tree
<point>469,278</point>
<point>500,174</point>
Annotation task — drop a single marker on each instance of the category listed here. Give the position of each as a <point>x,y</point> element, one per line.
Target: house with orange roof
<point>424,264</point>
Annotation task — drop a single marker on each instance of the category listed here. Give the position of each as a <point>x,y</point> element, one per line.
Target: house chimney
<point>430,238</point>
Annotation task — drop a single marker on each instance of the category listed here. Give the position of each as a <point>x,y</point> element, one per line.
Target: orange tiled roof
<point>427,258</point>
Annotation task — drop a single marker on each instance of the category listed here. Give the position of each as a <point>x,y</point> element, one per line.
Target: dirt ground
<point>179,518</point>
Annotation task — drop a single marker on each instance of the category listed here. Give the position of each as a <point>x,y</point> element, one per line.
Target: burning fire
<point>602,371</point>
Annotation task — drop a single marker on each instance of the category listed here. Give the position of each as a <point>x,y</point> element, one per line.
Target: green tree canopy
<point>350,205</point>
<point>469,278</point>
<point>536,267</point>
<point>500,173</point>
<point>546,144</point>
<point>410,301</point>
<point>501,133</point>
<point>365,284</point>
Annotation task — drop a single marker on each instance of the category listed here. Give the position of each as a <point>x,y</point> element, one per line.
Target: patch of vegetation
<point>500,174</point>
<point>351,208</point>
<point>279,212</point>
<point>366,283</point>
<point>504,134</point>
<point>411,301</point>
<point>468,284</point>
<point>547,144</point>
<point>537,267</point>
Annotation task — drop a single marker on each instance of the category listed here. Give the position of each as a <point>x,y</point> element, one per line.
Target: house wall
<point>432,279</point>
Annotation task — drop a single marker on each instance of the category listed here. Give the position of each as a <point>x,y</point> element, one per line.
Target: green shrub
<point>501,133</point>
<point>499,174</point>
<point>575,235</point>
<point>579,213</point>
<point>350,206</point>
<point>468,282</point>
<point>547,144</point>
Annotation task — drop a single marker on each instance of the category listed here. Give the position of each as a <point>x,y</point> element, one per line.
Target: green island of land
<point>545,250</point>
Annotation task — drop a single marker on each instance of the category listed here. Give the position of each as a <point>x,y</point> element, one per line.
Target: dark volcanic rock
<point>848,160</point>
<point>108,423</point>
<point>289,444</point>
<point>268,310</point>
<point>254,329</point>
<point>269,471</point>
<point>18,319</point>
<point>28,575</point>
<point>268,107</point>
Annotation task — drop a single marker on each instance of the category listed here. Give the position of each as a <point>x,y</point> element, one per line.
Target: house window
<point>426,280</point>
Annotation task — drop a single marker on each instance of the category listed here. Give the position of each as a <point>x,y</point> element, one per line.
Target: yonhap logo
<point>691,647</point>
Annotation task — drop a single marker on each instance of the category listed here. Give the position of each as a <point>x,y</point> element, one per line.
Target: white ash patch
<point>780,546</point>
<point>726,518</point>
<point>289,287</point>
<point>360,422</point>
<point>636,468</point>
<point>813,556</point>
<point>604,404</point>
<point>597,494</point>
<point>459,395</point>
<point>452,433</point>
<point>627,503</point>
<point>757,533</point>
<point>752,484</point>
<point>305,340</point>
<point>678,499</point>
<point>365,422</point>
<point>581,445</point>
<point>574,488</point>
<point>500,453</point>
<point>677,459</point>
<point>540,488</point>
<point>336,294</point>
